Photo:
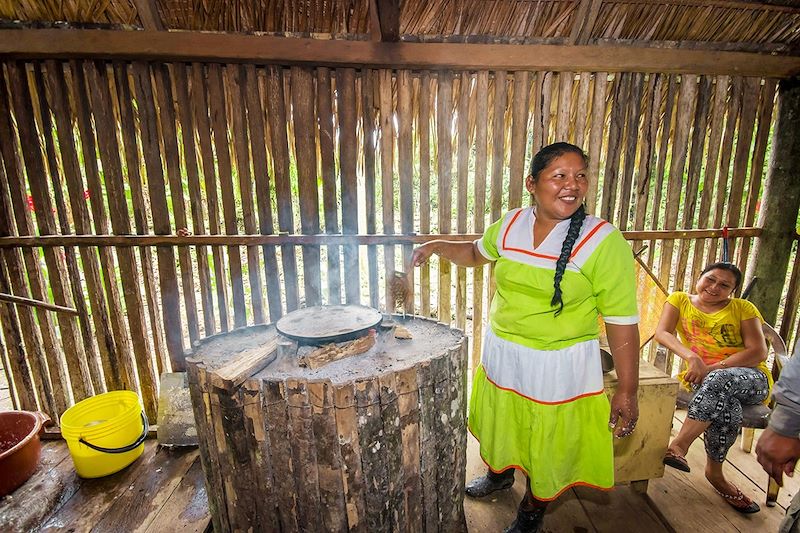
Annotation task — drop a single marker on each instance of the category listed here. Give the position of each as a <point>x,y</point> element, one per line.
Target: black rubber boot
<point>489,483</point>
<point>527,521</point>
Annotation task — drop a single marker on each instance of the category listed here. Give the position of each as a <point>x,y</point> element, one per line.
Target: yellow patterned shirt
<point>714,336</point>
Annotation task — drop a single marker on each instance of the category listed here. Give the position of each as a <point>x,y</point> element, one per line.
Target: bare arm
<point>696,368</point>
<point>462,253</point>
<point>755,347</point>
<point>624,343</point>
<point>754,352</point>
<point>665,333</point>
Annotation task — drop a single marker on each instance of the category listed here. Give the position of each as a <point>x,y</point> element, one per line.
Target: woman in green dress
<point>538,403</point>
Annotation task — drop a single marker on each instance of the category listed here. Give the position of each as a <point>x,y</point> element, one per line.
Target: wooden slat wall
<point>248,149</point>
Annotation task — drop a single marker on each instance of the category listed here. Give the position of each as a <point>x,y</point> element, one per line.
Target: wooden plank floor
<point>163,490</point>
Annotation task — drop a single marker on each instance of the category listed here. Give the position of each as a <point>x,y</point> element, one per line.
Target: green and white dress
<point>537,399</point>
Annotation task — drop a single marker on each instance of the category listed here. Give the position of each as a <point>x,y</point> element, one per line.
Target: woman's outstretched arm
<point>462,253</point>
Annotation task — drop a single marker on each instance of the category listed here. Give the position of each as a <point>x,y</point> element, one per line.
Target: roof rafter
<point>217,47</point>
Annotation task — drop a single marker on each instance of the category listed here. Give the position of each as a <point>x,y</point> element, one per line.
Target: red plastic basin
<point>20,448</point>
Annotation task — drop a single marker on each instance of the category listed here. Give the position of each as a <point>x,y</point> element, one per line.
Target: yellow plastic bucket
<point>105,433</point>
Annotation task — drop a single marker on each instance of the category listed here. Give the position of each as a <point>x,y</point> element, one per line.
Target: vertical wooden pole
<point>140,209</point>
<point>328,166</point>
<point>405,168</point>
<point>686,107</point>
<point>423,127</point>
<point>660,179</point>
<point>780,204</point>
<point>622,87</point>
<point>386,128</point>
<point>723,176</point>
<point>302,83</point>
<point>693,176</point>
<point>369,111</point>
<point>650,119</point>
<point>276,115</point>
<point>444,142</point>
<point>498,144</point>
<point>462,160</point>
<point>631,139</point>
<point>712,155</point>
<point>519,138</point>
<point>766,106</point>
<point>481,136</point>
<point>596,137</point>
<point>348,158</point>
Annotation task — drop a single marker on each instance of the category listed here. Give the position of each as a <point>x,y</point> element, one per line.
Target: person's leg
<point>490,482</point>
<point>698,418</point>
<point>731,389</point>
<point>690,430</point>
<point>530,513</point>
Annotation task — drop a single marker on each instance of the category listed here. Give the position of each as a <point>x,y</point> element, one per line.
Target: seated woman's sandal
<point>740,502</point>
<point>676,461</point>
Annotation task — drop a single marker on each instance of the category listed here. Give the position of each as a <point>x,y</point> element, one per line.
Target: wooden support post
<point>780,205</point>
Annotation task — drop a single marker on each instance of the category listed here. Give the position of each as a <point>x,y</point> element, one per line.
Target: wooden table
<point>638,458</point>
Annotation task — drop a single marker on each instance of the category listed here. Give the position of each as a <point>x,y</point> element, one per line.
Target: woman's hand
<point>422,253</point>
<point>696,370</point>
<point>624,413</point>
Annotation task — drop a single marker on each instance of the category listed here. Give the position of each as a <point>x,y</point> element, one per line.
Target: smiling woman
<point>723,345</point>
<point>537,400</point>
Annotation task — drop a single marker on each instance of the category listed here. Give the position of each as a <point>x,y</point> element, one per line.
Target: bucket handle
<point>129,447</point>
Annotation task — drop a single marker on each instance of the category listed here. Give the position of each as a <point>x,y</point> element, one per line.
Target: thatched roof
<point>771,27</point>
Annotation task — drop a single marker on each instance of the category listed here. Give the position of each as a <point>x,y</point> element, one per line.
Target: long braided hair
<point>540,161</point>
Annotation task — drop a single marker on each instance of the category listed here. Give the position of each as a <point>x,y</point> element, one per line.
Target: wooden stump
<point>373,442</point>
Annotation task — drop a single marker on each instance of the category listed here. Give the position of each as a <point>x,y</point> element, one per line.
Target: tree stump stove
<point>374,441</point>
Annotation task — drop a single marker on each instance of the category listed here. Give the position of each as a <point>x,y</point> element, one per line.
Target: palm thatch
<point>770,27</point>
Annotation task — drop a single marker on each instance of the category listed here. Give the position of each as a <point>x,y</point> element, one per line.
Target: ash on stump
<point>370,442</point>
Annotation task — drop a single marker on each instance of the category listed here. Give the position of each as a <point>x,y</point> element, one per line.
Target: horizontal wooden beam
<point>219,47</point>
<point>317,240</point>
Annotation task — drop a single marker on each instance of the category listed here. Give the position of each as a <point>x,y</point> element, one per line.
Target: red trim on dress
<point>543,256</point>
<point>534,400</point>
<point>588,236</point>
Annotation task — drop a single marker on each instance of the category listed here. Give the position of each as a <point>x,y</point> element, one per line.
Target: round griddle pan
<point>328,323</point>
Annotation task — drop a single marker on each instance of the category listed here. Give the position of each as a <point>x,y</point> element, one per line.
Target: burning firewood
<point>333,352</point>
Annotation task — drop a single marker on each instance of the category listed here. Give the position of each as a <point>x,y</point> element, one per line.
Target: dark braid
<point>540,161</point>
<point>575,224</point>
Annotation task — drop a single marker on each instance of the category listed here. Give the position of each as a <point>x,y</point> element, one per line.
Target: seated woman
<point>725,352</point>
